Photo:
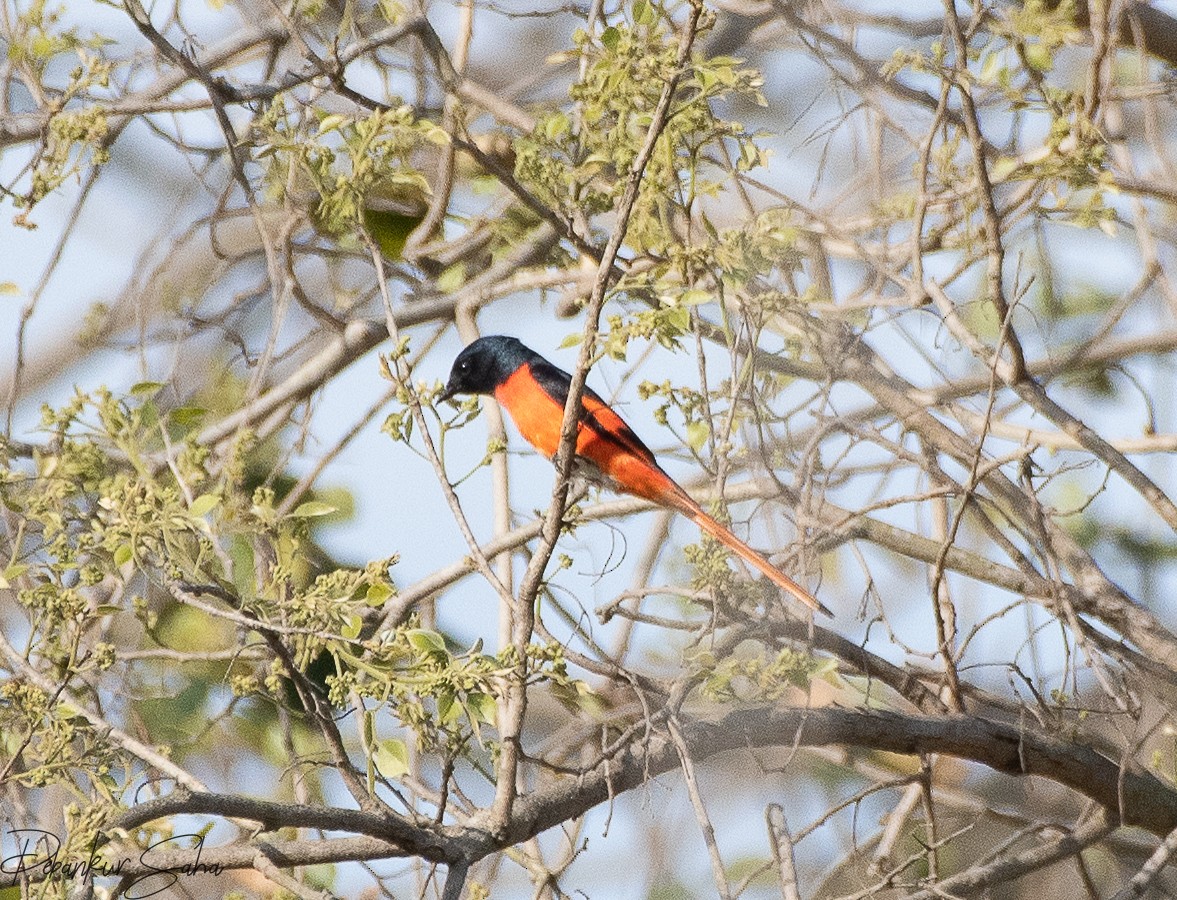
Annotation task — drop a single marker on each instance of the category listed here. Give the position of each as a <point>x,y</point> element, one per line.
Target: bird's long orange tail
<point>627,465</point>
<point>733,543</point>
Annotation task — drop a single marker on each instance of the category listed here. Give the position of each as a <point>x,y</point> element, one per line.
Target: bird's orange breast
<point>536,414</point>
<point>620,459</point>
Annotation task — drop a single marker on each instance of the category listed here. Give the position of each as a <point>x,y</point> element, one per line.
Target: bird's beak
<point>447,394</point>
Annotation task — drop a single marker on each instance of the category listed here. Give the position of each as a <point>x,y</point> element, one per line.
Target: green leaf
<point>187,416</point>
<point>392,758</point>
<point>204,504</point>
<point>123,554</point>
<point>572,340</point>
<point>378,594</point>
<point>351,630</point>
<point>332,123</point>
<point>610,38</point>
<point>146,388</point>
<point>426,641</point>
<point>483,705</point>
<point>148,415</point>
<point>447,709</point>
<point>556,126</point>
<point>391,229</point>
<point>12,573</point>
<point>244,581</point>
<point>312,509</point>
<point>695,297</point>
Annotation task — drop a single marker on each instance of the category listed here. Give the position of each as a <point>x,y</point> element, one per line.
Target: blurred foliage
<point>151,574</point>
<point>120,514</point>
<point>76,139</point>
<point>576,160</point>
<point>351,166</point>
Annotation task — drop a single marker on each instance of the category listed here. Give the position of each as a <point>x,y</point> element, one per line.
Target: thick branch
<point>1131,797</point>
<point>273,815</point>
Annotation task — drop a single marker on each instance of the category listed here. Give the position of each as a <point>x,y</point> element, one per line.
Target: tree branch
<point>1129,796</point>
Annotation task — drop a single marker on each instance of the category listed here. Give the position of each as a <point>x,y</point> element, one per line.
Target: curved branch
<point>273,815</point>
<point>1131,797</point>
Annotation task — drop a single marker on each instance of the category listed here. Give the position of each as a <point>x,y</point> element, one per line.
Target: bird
<point>608,452</point>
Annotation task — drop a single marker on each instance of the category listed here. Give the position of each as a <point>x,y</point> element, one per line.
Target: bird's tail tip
<point>808,599</point>
<point>733,543</point>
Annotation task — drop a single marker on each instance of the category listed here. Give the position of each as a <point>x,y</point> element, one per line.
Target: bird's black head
<point>486,364</point>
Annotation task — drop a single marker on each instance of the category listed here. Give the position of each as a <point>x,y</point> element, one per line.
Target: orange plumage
<point>534,392</point>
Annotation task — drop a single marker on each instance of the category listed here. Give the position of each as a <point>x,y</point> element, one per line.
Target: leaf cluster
<point>577,158</point>
<point>339,165</point>
<point>76,138</point>
<point>755,674</point>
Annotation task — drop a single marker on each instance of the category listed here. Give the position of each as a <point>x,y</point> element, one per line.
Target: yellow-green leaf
<point>1039,57</point>
<point>204,504</point>
<point>332,122</point>
<point>12,573</point>
<point>556,126</point>
<point>378,593</point>
<point>1003,168</point>
<point>312,509</point>
<point>390,229</point>
<point>187,415</point>
<point>695,297</point>
<point>351,630</point>
<point>447,709</point>
<point>483,705</point>
<point>392,758</point>
<point>426,641</point>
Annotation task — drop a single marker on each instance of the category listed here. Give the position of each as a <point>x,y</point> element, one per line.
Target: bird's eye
<point>464,365</point>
